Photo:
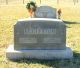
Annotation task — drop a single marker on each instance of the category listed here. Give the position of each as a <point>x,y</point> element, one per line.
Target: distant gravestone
<point>40,38</point>
<point>45,12</point>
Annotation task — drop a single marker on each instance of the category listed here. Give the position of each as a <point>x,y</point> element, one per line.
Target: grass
<point>8,17</point>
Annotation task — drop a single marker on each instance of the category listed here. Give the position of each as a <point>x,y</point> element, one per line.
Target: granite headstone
<point>39,38</point>
<point>40,34</point>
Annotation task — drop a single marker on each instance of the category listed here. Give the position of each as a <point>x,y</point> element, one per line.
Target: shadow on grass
<point>76,55</point>
<point>56,63</point>
<point>68,22</point>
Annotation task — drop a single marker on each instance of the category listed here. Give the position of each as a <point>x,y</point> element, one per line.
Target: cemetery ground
<point>8,17</point>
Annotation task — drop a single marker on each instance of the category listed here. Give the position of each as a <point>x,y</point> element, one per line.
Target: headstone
<point>45,12</point>
<point>39,34</point>
<point>40,38</point>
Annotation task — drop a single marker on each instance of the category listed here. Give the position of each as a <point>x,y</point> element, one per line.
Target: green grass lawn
<point>8,17</point>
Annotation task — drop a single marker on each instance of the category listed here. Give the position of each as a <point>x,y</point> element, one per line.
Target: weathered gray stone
<point>38,33</point>
<point>45,12</point>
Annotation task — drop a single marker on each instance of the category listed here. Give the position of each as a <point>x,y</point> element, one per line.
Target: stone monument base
<point>39,54</point>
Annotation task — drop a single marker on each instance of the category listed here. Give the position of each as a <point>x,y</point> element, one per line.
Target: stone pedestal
<point>39,54</point>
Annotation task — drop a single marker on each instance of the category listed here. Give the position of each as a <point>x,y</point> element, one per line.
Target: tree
<point>75,1</point>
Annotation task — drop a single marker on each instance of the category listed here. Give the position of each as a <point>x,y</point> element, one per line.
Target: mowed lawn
<point>8,17</point>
